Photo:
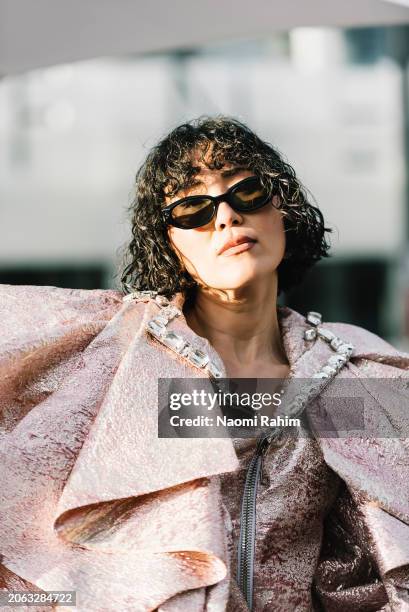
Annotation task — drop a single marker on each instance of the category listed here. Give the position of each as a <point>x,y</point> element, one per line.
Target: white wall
<point>72,137</point>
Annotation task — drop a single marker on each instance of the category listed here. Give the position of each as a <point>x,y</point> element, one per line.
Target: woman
<point>97,503</point>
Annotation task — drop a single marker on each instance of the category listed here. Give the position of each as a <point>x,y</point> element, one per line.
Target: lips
<point>230,244</point>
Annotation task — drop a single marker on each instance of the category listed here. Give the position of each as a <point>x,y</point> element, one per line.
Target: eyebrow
<point>225,174</point>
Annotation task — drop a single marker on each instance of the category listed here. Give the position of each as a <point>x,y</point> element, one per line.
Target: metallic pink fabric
<point>93,501</point>
<point>290,511</point>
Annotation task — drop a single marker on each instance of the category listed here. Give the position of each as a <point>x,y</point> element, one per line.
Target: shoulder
<point>365,341</point>
<point>31,305</point>
<point>369,347</point>
<point>21,292</point>
<point>57,294</point>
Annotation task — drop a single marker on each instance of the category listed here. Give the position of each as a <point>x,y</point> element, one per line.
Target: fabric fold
<point>93,500</point>
<point>390,537</point>
<point>94,487</point>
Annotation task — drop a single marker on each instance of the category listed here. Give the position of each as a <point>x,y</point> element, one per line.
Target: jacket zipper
<point>247,537</point>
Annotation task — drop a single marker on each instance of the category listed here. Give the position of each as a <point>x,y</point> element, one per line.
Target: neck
<point>242,325</point>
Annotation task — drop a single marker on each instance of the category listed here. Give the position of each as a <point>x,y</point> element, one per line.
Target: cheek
<point>176,239</point>
<point>188,244</point>
<point>271,226</point>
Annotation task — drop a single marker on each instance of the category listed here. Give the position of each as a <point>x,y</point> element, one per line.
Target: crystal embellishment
<point>173,341</point>
<point>321,374</point>
<point>337,361</point>
<point>336,343</point>
<point>157,327</point>
<point>128,298</point>
<point>141,296</point>
<point>315,318</point>
<point>343,349</point>
<point>329,370</point>
<point>346,348</point>
<point>296,404</point>
<point>197,357</point>
<point>161,300</point>
<point>170,312</point>
<point>160,319</point>
<point>310,334</point>
<point>200,359</point>
<point>214,370</point>
<point>326,334</point>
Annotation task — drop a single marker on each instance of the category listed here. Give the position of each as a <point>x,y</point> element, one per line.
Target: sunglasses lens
<point>250,196</point>
<point>194,213</point>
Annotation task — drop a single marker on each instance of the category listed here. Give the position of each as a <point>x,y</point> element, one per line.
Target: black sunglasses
<point>198,210</point>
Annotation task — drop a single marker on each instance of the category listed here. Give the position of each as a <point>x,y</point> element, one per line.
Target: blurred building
<point>331,100</point>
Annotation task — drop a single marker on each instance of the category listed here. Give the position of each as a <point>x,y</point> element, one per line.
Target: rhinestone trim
<point>320,374</point>
<point>140,296</point>
<point>326,334</point>
<point>310,334</point>
<point>161,300</point>
<point>157,328</point>
<point>343,350</point>
<point>336,343</point>
<point>173,340</point>
<point>346,349</point>
<point>201,360</point>
<point>315,318</point>
<point>214,370</point>
<point>329,370</point>
<point>170,312</point>
<point>194,356</point>
<point>197,357</point>
<point>337,361</point>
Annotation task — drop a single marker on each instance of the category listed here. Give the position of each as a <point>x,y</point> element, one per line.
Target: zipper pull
<point>262,474</point>
<point>262,448</point>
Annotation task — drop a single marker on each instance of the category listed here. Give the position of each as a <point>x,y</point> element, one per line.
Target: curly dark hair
<point>150,263</point>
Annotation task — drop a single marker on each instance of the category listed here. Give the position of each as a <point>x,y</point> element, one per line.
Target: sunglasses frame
<point>224,197</point>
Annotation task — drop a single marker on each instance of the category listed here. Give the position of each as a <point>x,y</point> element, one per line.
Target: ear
<point>275,201</point>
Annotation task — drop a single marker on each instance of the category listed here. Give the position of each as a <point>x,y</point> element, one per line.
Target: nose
<point>226,215</point>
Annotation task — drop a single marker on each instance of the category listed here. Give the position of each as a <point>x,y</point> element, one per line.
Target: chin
<point>239,275</point>
<point>243,274</point>
<point>234,281</point>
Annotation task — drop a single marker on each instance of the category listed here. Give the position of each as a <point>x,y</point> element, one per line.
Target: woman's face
<point>199,248</point>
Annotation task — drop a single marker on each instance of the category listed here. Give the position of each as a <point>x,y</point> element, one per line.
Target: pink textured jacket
<point>93,501</point>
